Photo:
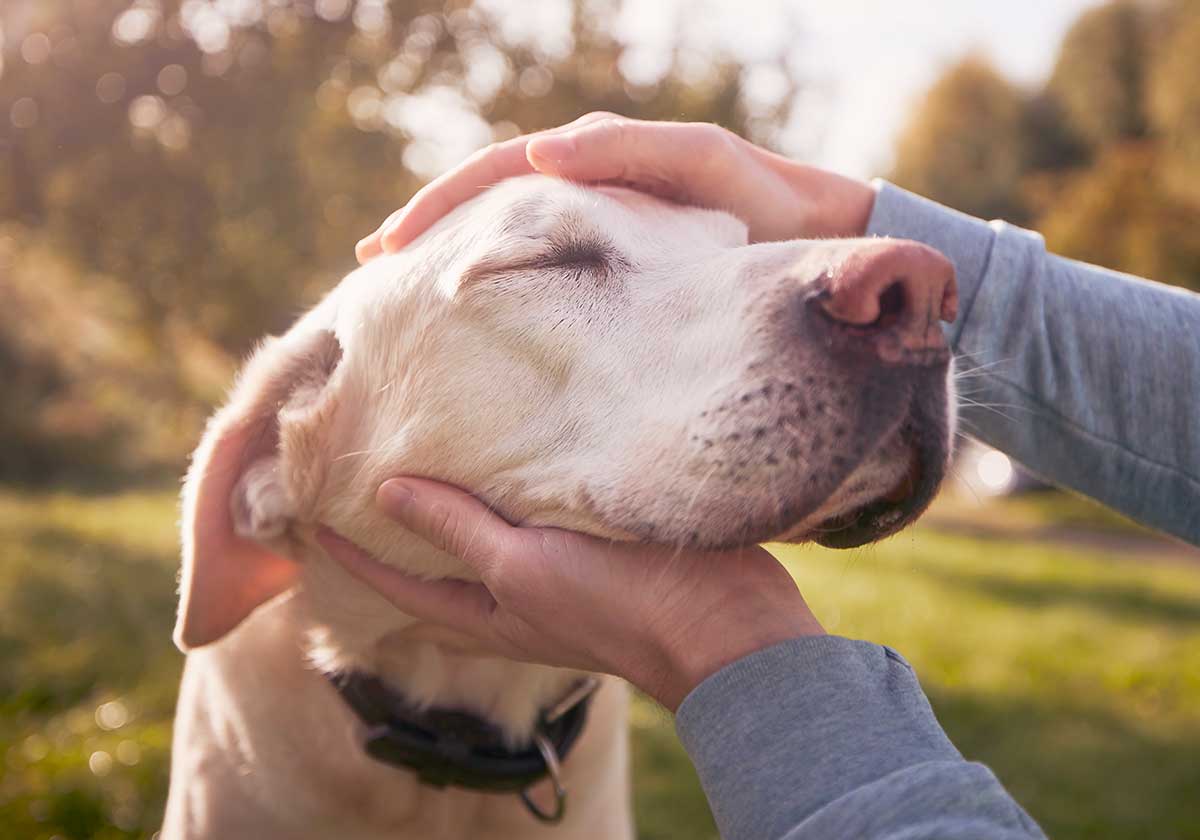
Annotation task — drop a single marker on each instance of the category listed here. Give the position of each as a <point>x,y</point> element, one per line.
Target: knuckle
<point>595,116</point>
<point>717,148</point>
<point>610,124</point>
<point>717,138</point>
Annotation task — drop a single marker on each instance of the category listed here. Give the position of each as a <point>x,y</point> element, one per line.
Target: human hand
<point>662,618</point>
<point>692,163</point>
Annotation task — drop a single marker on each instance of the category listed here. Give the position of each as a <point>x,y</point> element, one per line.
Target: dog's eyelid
<point>581,252</point>
<point>572,251</point>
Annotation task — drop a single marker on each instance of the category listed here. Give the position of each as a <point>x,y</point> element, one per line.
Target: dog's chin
<point>881,496</point>
<point>917,473</point>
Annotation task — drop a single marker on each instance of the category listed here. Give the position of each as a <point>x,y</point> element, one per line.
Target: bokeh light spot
<point>172,79</point>
<point>112,715</point>
<point>35,748</point>
<point>35,48</point>
<point>100,763</point>
<point>372,17</point>
<point>331,10</point>
<point>24,113</point>
<point>364,105</point>
<point>174,132</point>
<point>147,112</point>
<point>535,82</point>
<point>110,87</point>
<point>995,471</point>
<point>134,24</point>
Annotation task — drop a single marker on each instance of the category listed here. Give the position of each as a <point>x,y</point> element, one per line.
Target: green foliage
<point>1072,670</point>
<point>1104,159</point>
<point>190,175</point>
<point>90,676</point>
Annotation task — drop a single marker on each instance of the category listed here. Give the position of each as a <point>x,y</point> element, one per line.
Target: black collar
<point>454,747</point>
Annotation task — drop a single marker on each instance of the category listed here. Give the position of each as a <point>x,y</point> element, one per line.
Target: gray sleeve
<point>823,737</point>
<point>1089,377</point>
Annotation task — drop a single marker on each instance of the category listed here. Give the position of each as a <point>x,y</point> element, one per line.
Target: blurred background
<point>179,177</point>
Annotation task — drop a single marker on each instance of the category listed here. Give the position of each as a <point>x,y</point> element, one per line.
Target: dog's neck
<point>354,629</point>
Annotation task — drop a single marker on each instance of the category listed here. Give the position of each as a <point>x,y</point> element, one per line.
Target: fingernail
<point>394,496</point>
<point>554,148</point>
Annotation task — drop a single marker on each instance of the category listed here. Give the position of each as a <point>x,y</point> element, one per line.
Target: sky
<point>865,62</point>
<point>880,57</point>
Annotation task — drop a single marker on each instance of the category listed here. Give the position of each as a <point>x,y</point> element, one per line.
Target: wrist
<point>833,205</point>
<point>853,200</point>
<point>694,656</point>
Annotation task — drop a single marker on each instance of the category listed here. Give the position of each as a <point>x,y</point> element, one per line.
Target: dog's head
<point>589,358</point>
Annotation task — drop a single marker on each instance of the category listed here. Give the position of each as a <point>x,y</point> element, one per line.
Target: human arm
<point>794,734</point>
<point>1088,376</point>
<point>829,737</point>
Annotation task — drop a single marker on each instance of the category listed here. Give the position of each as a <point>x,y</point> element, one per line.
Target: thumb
<point>450,520</point>
<point>458,604</point>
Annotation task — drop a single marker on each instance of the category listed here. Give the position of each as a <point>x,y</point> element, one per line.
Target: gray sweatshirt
<point>1098,374</point>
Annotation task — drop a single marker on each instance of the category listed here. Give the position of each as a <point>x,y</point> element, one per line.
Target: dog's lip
<point>883,515</point>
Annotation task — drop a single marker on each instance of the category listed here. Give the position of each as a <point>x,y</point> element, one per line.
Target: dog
<point>584,357</point>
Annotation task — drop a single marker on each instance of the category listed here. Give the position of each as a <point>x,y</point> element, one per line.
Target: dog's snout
<point>896,289</point>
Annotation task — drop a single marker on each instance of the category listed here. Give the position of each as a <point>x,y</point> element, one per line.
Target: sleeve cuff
<point>964,240</point>
<point>779,734</point>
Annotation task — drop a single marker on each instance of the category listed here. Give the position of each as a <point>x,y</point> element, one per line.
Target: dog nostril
<point>891,304</point>
<point>899,287</point>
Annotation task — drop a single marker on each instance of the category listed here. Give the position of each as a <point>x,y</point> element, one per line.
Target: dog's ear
<point>258,468</point>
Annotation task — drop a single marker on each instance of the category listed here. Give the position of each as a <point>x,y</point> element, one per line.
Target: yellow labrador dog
<point>587,358</point>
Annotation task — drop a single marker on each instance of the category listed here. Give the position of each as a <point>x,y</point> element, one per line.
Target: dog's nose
<point>894,292</point>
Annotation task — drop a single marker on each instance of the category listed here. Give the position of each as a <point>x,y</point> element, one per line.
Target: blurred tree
<point>1104,159</point>
<point>1174,98</point>
<point>1100,73</point>
<point>1118,213</point>
<point>965,144</point>
<point>210,164</point>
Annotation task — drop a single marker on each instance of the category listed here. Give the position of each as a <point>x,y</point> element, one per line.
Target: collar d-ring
<point>546,747</point>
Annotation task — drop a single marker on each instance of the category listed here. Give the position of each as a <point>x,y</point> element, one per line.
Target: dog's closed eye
<point>582,254</point>
<point>587,253</point>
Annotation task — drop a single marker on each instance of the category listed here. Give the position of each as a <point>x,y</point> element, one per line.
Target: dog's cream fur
<point>591,359</point>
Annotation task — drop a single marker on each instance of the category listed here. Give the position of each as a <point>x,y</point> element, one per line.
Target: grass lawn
<point>1073,672</point>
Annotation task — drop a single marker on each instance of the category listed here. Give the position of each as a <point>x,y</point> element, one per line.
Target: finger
<point>450,520</point>
<point>371,246</point>
<point>440,196</point>
<point>458,604</point>
<point>478,172</point>
<point>650,154</point>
